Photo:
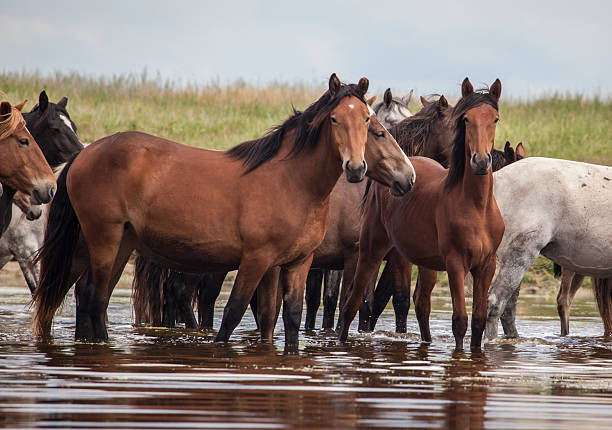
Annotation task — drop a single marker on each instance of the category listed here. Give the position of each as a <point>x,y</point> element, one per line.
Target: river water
<point>160,378</point>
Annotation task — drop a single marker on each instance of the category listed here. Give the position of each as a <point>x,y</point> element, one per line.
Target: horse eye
<point>334,120</point>
<point>465,120</point>
<point>24,142</point>
<point>380,134</point>
<point>367,120</point>
<point>496,119</point>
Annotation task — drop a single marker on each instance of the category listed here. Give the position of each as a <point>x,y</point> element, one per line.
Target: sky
<point>535,47</point>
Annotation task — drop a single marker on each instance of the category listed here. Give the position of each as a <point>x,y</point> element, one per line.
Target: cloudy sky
<point>534,46</point>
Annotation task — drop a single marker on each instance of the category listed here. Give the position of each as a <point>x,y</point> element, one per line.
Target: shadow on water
<point>177,378</point>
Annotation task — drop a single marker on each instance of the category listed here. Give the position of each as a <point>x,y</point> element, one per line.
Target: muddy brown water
<point>158,378</point>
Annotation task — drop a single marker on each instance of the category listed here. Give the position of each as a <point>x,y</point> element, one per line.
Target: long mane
<point>10,122</point>
<point>308,125</point>
<point>412,133</point>
<point>457,162</point>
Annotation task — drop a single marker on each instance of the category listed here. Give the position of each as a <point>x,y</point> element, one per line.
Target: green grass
<point>561,126</point>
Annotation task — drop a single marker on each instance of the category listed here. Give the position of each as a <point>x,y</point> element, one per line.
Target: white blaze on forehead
<point>66,121</point>
<point>351,106</point>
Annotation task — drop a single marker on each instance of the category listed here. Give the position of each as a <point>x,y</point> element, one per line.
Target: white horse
<point>558,208</point>
<point>392,110</point>
<point>21,240</point>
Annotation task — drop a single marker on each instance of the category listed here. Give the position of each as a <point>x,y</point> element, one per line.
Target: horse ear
<point>520,150</point>
<point>5,108</point>
<point>388,97</point>
<point>334,84</point>
<point>362,86</point>
<point>408,97</point>
<point>466,88</point>
<point>425,102</point>
<point>20,106</point>
<point>509,153</point>
<point>495,90</point>
<point>442,103</point>
<point>63,102</point>
<point>371,100</point>
<point>43,101</point>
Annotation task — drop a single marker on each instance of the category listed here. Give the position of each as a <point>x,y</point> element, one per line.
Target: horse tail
<point>55,256</point>
<point>147,291</point>
<point>603,296</point>
<point>556,270</point>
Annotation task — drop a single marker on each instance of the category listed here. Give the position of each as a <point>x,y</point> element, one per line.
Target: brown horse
<point>338,249</point>
<point>22,164</point>
<point>450,221</point>
<point>261,205</point>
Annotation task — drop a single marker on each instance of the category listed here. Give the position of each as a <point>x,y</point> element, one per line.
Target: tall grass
<point>563,126</point>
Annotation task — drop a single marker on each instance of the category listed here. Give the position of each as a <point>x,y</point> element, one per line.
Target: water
<point>160,378</point>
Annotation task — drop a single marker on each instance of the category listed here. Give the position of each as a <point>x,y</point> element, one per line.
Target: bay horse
<point>258,207</point>
<point>450,221</point>
<point>55,133</point>
<point>395,279</point>
<point>563,214</point>
<point>339,243</point>
<point>22,164</point>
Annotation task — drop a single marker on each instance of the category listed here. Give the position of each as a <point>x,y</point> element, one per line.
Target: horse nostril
<point>51,192</point>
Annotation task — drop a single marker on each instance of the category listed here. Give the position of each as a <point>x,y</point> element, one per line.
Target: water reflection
<point>160,378</point>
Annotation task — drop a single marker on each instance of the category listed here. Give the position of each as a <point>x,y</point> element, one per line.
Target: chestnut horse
<point>22,164</point>
<point>259,206</point>
<point>450,221</point>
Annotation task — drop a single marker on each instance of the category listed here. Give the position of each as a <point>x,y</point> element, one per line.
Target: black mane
<point>308,125</point>
<point>457,164</point>
<point>412,133</point>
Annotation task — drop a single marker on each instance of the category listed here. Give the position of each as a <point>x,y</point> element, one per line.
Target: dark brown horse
<point>261,205</point>
<point>338,249</point>
<point>22,164</point>
<point>450,221</point>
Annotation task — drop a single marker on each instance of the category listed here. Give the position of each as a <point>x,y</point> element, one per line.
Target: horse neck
<point>475,188</point>
<point>315,171</point>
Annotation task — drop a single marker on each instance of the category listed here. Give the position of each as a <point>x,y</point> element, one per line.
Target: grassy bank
<point>570,126</point>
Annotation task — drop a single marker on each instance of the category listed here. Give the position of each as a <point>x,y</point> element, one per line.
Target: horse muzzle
<point>481,164</point>
<point>355,173</point>
<point>402,184</point>
<point>42,193</point>
<point>34,212</point>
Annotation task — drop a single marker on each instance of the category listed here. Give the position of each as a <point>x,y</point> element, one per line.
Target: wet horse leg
<point>209,289</point>
<point>426,281</point>
<point>483,275</point>
<point>252,268</point>
<point>293,281</point>
<point>185,301</point>
<point>402,274</point>
<point>313,296</point>
<point>373,246</point>
<point>570,283</point>
<point>266,298</point>
<point>456,280</point>
<point>331,291</point>
<point>365,310</point>
<point>508,317</point>
<point>382,294</point>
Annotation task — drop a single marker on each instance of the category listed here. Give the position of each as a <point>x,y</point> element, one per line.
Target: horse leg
<point>456,279</point>
<point>252,268</point>
<point>508,316</point>
<point>426,281</point>
<point>382,294</point>
<point>365,310</point>
<point>402,274</point>
<point>313,296</point>
<point>507,281</point>
<point>293,281</point>
<point>331,291</point>
<point>169,288</point>
<point>266,297</point>
<point>373,246</point>
<point>570,283</point>
<point>185,301</point>
<point>30,273</point>
<point>603,297</point>
<point>483,275</point>
<point>209,289</point>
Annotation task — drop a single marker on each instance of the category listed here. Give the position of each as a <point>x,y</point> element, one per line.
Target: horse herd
<point>292,209</point>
